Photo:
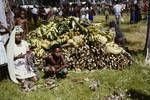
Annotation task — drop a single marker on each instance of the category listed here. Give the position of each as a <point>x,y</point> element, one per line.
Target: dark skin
<point>57,66</point>
<point>3,27</point>
<point>18,38</point>
<point>22,21</point>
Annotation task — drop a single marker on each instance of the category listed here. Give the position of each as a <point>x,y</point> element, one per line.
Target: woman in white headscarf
<point>17,64</point>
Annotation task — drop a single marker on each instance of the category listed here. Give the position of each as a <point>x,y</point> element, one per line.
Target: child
<point>56,65</point>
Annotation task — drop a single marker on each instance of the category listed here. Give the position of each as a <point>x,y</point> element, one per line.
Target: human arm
<point>19,56</point>
<point>26,26</point>
<point>62,65</point>
<point>24,52</point>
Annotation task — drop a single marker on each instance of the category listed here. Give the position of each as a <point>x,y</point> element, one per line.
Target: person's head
<point>112,24</point>
<point>56,50</point>
<point>22,14</point>
<point>18,34</point>
<point>18,38</point>
<point>34,6</point>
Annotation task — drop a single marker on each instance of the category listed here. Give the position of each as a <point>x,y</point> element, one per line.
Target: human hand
<point>53,69</point>
<point>21,55</point>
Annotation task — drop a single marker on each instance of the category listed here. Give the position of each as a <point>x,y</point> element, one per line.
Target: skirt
<point>23,71</point>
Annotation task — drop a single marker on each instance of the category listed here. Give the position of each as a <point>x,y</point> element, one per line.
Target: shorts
<point>62,73</point>
<point>91,18</point>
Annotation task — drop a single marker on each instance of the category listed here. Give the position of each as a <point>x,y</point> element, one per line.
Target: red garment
<point>145,9</point>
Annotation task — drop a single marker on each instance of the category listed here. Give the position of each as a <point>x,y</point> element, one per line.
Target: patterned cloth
<point>22,71</point>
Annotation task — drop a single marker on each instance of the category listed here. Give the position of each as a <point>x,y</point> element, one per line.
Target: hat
<point>18,29</point>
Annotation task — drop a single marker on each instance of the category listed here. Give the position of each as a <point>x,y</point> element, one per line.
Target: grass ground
<point>76,85</point>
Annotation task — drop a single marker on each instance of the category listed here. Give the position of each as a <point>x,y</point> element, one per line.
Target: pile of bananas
<point>80,41</point>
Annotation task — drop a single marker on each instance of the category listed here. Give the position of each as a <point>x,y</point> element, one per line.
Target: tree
<point>147,45</point>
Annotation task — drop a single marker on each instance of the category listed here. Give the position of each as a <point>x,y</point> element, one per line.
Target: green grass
<point>136,78</point>
<point>75,87</point>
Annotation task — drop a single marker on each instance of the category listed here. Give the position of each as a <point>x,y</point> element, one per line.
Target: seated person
<point>55,64</point>
<point>23,71</point>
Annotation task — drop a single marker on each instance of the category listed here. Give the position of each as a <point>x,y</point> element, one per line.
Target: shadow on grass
<point>137,95</point>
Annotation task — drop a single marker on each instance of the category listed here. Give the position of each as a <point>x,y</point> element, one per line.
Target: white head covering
<point>18,29</point>
<point>10,53</point>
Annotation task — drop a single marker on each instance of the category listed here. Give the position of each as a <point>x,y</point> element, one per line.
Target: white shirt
<point>47,10</point>
<point>135,1</point>
<point>22,48</point>
<point>117,8</point>
<point>60,13</point>
<point>34,11</point>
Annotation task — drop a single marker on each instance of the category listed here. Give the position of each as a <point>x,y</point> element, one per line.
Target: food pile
<point>85,46</point>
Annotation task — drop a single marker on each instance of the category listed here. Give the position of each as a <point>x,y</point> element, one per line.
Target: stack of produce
<point>96,57</point>
<point>49,35</point>
<point>87,47</point>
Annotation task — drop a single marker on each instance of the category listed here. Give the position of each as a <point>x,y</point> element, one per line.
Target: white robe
<point>22,71</point>
<point>3,38</point>
<point>10,54</point>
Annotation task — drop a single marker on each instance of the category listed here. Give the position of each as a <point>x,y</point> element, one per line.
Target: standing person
<point>17,59</point>
<point>145,9</point>
<point>3,56</point>
<point>77,11</point>
<point>56,65</point>
<point>91,14</point>
<point>119,38</point>
<point>29,14</point>
<point>107,15</point>
<point>83,13</point>
<point>10,19</point>
<point>4,35</point>
<point>35,15</point>
<point>117,10</point>
<point>42,14</point>
<point>22,21</point>
<point>47,11</point>
<point>87,13</point>
<point>16,11</point>
<point>132,14</point>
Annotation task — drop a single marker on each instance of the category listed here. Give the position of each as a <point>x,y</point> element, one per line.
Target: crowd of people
<point>20,56</point>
